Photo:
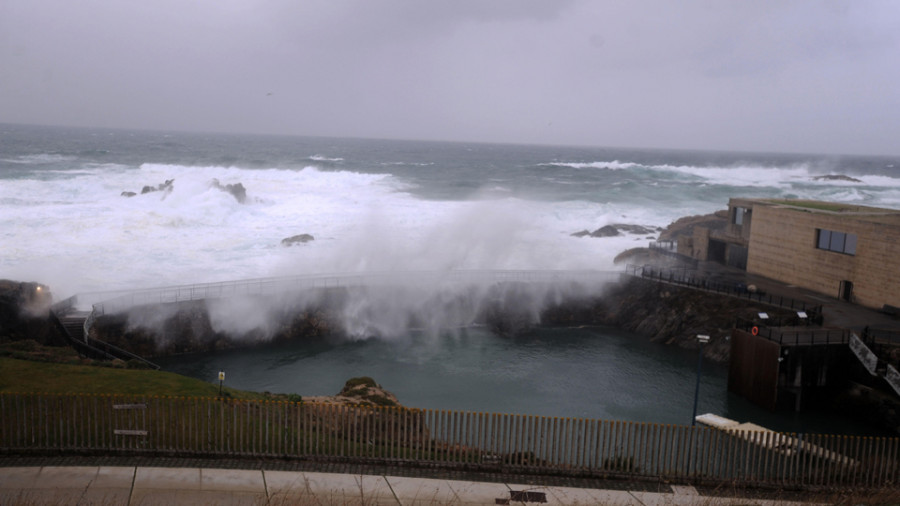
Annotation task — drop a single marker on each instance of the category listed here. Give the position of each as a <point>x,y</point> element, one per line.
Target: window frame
<point>836,242</point>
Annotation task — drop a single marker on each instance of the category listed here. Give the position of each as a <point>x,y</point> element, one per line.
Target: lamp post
<point>702,339</point>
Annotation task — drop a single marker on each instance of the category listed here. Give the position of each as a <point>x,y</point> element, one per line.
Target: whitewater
<point>398,207</point>
<point>371,205</point>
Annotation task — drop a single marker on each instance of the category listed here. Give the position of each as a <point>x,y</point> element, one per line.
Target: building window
<point>739,215</point>
<point>839,242</point>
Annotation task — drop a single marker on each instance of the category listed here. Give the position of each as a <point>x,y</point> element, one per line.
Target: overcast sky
<point>817,76</point>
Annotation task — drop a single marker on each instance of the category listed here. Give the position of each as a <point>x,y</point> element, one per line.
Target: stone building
<point>847,251</point>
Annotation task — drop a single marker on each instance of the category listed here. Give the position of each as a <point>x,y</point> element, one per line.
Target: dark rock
<point>236,190</point>
<point>128,194</point>
<point>837,177</point>
<point>185,327</point>
<point>605,231</point>
<point>297,239</point>
<point>671,314</point>
<point>510,310</point>
<point>636,229</point>
<point>25,313</point>
<point>616,229</point>
<point>167,187</point>
<point>685,226</point>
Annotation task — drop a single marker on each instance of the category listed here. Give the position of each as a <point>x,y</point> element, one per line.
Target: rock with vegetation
<point>365,406</point>
<point>361,391</point>
<point>25,311</point>
<point>685,226</point>
<point>670,314</point>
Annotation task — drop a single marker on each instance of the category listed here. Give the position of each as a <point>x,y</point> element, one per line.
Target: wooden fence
<point>516,443</point>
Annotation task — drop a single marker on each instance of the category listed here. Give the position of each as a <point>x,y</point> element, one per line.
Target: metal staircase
<point>71,325</point>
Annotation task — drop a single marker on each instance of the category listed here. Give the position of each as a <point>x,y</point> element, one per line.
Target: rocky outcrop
<point>618,229</point>
<point>685,226</point>
<point>362,391</point>
<point>837,177</point>
<point>670,314</point>
<point>661,312</point>
<point>186,327</point>
<point>364,405</point>
<point>24,313</point>
<point>236,190</point>
<point>297,239</point>
<point>166,187</point>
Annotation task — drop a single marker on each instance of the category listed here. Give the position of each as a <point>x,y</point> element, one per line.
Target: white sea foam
<point>80,234</point>
<point>740,175</point>
<point>613,165</point>
<point>43,158</point>
<point>321,158</point>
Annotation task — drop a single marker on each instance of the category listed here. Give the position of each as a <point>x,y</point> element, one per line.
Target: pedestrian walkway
<point>127,485</point>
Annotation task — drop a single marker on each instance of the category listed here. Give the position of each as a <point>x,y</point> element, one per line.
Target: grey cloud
<point>796,76</point>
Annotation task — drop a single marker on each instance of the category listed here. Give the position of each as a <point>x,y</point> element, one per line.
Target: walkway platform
<point>126,485</point>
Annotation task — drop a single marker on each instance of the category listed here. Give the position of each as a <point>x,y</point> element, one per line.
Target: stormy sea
<point>86,210</point>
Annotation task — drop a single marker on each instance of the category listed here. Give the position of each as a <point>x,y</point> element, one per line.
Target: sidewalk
<point>126,485</point>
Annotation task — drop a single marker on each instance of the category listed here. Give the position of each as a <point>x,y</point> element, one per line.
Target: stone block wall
<point>783,247</point>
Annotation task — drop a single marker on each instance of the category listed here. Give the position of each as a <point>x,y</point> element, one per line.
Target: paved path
<point>128,485</point>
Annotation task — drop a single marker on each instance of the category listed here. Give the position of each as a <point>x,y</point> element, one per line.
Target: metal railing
<point>435,438</point>
<point>687,277</point>
<point>269,286</point>
<point>96,349</point>
<point>802,336</point>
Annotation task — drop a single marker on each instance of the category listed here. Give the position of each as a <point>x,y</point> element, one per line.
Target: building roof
<point>833,209</point>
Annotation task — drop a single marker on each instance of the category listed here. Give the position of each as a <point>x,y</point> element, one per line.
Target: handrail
<point>94,348</point>
<point>684,276</point>
<point>787,336</point>
<point>267,286</point>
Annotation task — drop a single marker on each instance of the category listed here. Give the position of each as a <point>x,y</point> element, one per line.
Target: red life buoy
<point>754,331</point>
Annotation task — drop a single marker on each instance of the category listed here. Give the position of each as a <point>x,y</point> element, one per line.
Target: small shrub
<point>362,380</point>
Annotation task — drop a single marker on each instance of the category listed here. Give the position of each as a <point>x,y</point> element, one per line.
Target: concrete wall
<point>783,247</point>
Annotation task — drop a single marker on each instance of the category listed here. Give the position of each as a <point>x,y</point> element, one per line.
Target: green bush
<point>362,380</point>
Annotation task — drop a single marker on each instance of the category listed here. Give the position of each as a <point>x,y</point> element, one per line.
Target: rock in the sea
<point>606,231</point>
<point>617,229</point>
<point>837,177</point>
<point>236,190</point>
<point>297,239</point>
<point>167,187</point>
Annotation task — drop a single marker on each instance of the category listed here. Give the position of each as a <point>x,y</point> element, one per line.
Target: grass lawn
<point>26,376</point>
